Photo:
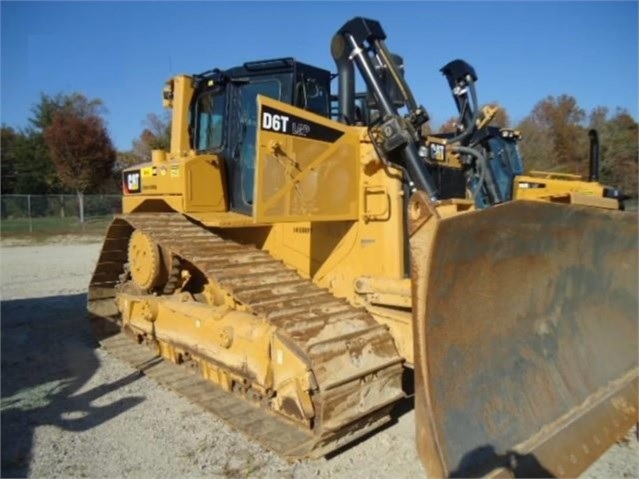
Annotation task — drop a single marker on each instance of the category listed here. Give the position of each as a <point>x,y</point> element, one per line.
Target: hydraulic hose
<point>469,128</point>
<point>483,165</point>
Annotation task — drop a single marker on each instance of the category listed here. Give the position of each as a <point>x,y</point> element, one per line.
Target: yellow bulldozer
<point>298,254</point>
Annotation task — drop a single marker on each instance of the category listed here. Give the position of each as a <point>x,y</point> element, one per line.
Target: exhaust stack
<point>346,78</point>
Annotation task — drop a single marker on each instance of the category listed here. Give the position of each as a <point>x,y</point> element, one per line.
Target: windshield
<point>209,120</point>
<point>512,150</point>
<point>506,153</point>
<point>504,163</point>
<point>248,128</point>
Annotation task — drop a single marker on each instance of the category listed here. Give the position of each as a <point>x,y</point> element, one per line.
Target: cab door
<point>244,151</point>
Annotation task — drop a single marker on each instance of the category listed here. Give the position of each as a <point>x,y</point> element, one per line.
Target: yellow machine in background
<point>303,260</point>
<point>490,157</point>
<point>555,187</point>
<point>570,188</point>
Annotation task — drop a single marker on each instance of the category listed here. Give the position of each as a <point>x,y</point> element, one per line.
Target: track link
<point>353,359</point>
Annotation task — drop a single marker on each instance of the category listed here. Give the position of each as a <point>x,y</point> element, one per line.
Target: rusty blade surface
<point>525,337</point>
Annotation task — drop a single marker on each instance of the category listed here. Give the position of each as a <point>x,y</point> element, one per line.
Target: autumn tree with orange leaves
<point>81,149</point>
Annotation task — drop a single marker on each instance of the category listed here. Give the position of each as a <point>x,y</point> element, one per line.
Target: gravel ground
<point>69,409</point>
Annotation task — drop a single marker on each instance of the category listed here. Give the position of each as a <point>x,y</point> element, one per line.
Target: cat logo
<point>132,181</point>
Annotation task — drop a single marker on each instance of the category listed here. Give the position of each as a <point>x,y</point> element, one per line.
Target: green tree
<point>81,151</point>
<point>8,141</point>
<point>561,119</point>
<point>26,166</point>
<point>536,146</point>
<point>619,146</point>
<point>45,110</point>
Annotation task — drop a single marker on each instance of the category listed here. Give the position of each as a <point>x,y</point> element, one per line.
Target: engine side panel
<point>307,166</point>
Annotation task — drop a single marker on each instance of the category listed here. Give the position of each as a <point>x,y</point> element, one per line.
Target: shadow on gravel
<point>484,460</point>
<point>48,354</point>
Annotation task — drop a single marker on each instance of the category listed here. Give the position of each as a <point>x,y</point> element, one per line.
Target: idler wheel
<point>144,260</point>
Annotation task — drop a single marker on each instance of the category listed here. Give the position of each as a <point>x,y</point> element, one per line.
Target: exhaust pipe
<point>346,79</point>
<point>594,155</point>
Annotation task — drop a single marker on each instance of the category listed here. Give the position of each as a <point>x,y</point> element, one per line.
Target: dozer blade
<point>525,320</point>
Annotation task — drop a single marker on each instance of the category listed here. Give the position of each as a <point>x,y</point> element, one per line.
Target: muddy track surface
<point>71,409</point>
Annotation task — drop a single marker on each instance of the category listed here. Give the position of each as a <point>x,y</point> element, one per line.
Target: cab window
<point>312,96</point>
<point>248,129</point>
<point>209,120</point>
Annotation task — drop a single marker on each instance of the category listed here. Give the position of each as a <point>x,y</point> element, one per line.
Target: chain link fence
<point>29,214</point>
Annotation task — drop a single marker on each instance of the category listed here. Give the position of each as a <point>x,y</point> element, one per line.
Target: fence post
<point>29,213</point>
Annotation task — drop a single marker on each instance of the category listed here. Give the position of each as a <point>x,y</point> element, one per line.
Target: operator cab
<point>224,117</point>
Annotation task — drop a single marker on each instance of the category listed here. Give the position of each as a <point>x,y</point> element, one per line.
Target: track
<point>353,358</point>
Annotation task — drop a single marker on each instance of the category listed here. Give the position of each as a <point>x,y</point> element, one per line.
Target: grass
<point>50,226</point>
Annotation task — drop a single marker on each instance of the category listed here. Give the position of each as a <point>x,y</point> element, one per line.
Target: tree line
<point>66,147</point>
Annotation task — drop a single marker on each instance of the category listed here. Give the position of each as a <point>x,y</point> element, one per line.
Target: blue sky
<point>123,52</point>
